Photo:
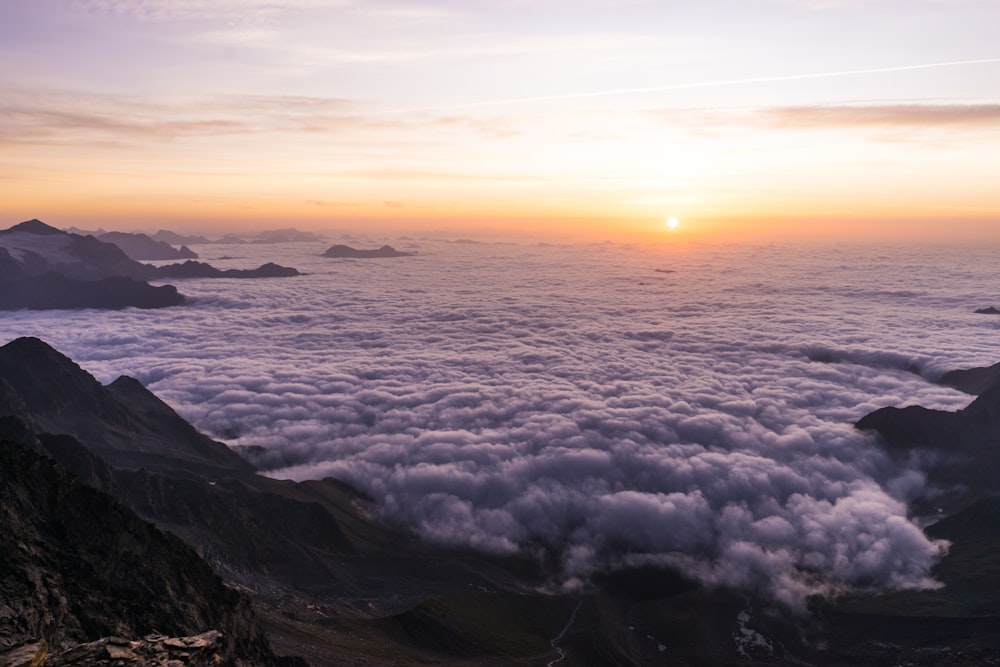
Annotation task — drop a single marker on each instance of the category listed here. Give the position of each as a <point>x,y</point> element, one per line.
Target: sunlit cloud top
<point>737,118</point>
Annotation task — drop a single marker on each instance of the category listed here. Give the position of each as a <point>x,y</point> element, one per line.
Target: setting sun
<point>672,223</point>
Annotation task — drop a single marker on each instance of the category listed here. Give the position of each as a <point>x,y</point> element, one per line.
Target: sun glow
<point>672,223</point>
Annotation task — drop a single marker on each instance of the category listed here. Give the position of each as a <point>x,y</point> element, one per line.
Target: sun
<point>672,223</point>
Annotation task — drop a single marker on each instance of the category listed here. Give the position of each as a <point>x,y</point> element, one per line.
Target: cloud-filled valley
<point>572,401</point>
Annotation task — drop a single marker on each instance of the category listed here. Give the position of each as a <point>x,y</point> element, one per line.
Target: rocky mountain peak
<point>124,423</point>
<point>35,226</point>
<point>48,381</point>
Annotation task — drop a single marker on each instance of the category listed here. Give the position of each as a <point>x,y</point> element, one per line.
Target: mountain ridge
<point>123,422</point>
<point>42,267</point>
<point>347,252</point>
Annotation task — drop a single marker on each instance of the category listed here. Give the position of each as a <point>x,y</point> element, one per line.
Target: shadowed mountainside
<point>53,291</point>
<point>972,380</point>
<point>123,423</point>
<point>78,566</point>
<point>960,448</point>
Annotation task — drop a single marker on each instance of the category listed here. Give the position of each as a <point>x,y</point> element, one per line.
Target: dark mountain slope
<point>123,423</point>
<point>42,267</point>
<point>965,445</point>
<point>77,566</point>
<point>292,546</point>
<point>972,380</point>
<point>41,248</point>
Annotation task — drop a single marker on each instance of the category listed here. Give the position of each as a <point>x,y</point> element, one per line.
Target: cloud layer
<point>574,403</point>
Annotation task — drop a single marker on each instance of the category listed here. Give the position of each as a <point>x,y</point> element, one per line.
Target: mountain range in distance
<point>310,571</point>
<point>142,247</point>
<point>42,267</point>
<point>270,236</point>
<point>347,252</point>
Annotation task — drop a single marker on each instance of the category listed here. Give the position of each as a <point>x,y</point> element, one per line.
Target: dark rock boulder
<point>204,650</point>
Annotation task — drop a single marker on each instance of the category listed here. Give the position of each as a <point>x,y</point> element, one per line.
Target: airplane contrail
<point>684,86</point>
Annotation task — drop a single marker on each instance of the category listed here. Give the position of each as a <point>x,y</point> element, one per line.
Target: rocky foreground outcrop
<point>204,650</point>
<point>78,566</point>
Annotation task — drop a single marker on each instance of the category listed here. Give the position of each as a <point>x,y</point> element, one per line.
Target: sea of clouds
<point>579,401</point>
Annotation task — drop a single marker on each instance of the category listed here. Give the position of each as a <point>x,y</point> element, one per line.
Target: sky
<point>740,119</point>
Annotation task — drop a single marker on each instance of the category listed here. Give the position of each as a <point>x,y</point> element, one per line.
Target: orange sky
<point>741,119</point>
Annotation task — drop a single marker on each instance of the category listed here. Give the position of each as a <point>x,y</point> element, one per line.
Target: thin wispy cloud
<point>614,92</point>
<point>887,115</point>
<point>29,115</point>
<point>196,10</point>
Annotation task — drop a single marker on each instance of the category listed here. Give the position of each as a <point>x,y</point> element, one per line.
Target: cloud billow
<point>702,422</point>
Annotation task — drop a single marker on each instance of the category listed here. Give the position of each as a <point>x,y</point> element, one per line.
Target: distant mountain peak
<point>346,251</point>
<point>35,226</point>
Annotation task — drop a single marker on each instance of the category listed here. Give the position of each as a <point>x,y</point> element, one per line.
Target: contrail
<point>686,86</point>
